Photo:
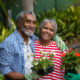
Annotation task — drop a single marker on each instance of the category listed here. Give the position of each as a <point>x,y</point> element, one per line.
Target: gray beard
<point>26,33</point>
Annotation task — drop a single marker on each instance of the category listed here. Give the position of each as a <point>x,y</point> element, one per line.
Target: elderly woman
<point>48,28</point>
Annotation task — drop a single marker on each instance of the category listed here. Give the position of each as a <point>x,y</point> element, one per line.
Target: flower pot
<point>49,69</point>
<point>70,71</point>
<point>42,72</point>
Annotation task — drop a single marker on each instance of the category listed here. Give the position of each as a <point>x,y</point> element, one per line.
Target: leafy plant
<point>68,22</point>
<point>70,60</point>
<point>4,32</point>
<point>31,76</point>
<point>1,77</point>
<point>43,62</point>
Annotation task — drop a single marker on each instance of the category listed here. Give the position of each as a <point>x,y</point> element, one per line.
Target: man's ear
<point>18,24</point>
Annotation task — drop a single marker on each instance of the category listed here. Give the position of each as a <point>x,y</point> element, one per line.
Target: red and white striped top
<point>57,74</point>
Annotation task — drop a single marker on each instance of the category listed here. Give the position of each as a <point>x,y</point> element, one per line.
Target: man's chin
<point>28,34</point>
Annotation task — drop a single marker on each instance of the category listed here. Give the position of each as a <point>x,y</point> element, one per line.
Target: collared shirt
<point>12,55</point>
<point>28,57</point>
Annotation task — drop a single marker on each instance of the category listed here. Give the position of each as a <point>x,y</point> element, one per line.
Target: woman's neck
<point>44,43</point>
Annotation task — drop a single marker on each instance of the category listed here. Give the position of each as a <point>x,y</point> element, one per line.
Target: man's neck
<point>25,38</point>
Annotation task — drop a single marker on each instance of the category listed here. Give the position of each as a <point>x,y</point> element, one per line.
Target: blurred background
<point>65,12</point>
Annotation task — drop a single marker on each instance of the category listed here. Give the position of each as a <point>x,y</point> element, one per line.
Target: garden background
<point>65,12</point>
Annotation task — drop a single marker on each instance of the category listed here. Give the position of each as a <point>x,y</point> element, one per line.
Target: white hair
<point>51,21</point>
<point>21,15</point>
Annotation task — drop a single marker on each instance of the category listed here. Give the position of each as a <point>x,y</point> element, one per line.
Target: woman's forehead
<point>48,24</point>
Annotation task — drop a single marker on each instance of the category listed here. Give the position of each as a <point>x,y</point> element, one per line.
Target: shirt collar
<point>20,39</point>
<point>29,41</point>
<point>18,36</point>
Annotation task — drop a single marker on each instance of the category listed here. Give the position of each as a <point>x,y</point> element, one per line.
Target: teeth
<point>46,35</point>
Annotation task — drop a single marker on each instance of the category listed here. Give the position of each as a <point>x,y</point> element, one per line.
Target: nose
<point>32,24</point>
<point>48,31</point>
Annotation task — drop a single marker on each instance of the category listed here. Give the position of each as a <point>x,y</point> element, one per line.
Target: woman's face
<point>47,31</point>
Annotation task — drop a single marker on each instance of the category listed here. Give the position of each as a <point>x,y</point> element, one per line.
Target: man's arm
<point>6,60</point>
<point>14,76</point>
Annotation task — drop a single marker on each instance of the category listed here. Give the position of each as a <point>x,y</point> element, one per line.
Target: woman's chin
<point>46,39</point>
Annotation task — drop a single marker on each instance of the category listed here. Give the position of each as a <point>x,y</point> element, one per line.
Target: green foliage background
<point>68,22</point>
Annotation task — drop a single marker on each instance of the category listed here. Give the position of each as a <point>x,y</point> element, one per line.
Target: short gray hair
<point>51,21</point>
<point>21,15</point>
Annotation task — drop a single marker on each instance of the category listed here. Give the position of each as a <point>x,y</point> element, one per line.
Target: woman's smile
<point>47,31</point>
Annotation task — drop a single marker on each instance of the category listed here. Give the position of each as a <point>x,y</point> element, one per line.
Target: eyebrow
<point>30,20</point>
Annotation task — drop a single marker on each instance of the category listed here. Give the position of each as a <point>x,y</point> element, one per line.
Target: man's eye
<point>28,21</point>
<point>34,22</point>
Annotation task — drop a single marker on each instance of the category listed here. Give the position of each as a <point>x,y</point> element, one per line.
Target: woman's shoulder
<point>53,42</point>
<point>55,46</point>
<point>35,41</point>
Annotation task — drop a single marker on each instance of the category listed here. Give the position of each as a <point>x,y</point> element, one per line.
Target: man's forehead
<point>29,17</point>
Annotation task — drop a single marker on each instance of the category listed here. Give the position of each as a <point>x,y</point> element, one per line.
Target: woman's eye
<point>45,28</point>
<point>51,30</point>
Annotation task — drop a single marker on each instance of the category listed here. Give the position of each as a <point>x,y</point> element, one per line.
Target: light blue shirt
<point>12,55</point>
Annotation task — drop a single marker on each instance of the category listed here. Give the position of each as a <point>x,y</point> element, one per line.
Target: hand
<point>71,76</point>
<point>14,76</point>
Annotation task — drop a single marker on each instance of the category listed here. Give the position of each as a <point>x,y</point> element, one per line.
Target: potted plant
<point>71,61</point>
<point>43,65</point>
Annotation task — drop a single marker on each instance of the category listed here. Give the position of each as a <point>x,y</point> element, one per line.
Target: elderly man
<point>16,47</point>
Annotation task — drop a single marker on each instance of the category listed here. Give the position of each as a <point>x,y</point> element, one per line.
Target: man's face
<point>28,25</point>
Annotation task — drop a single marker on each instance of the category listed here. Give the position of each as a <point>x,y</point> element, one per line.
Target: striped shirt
<point>57,73</point>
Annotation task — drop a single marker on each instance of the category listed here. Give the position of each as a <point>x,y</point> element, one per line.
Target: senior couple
<point>22,42</point>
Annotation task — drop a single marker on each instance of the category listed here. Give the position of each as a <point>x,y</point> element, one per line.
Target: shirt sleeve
<point>6,60</point>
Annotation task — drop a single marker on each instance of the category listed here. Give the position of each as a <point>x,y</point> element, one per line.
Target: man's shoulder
<point>9,40</point>
<point>33,37</point>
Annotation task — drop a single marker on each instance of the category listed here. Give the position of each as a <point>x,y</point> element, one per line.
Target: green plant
<point>4,32</point>
<point>43,62</point>
<point>68,22</point>
<point>70,60</point>
<point>1,77</point>
<point>31,76</point>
